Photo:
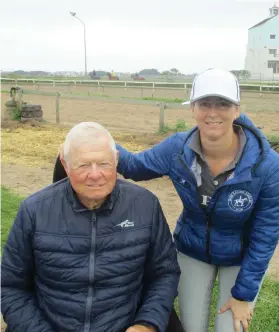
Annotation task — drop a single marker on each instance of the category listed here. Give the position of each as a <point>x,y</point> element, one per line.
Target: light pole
<point>85,61</point>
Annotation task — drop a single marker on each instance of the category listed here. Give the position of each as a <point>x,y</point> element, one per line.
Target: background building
<point>262,56</point>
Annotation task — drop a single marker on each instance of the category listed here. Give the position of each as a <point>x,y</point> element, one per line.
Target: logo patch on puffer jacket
<point>240,200</point>
<point>126,223</point>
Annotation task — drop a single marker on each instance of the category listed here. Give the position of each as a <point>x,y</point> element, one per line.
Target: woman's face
<point>214,116</point>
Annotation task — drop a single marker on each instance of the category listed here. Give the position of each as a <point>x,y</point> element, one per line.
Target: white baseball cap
<point>215,83</point>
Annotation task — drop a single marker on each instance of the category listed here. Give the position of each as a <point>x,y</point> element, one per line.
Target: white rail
<point>128,84</point>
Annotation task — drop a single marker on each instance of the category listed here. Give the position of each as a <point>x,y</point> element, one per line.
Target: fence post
<point>188,91</point>
<point>57,107</point>
<point>19,100</point>
<point>162,116</point>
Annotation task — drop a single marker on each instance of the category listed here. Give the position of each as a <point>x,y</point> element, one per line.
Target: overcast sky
<point>127,35</point>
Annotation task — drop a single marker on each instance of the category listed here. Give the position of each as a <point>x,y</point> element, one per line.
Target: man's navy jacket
<point>67,268</point>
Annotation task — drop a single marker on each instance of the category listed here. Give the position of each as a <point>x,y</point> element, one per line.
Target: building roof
<point>262,22</point>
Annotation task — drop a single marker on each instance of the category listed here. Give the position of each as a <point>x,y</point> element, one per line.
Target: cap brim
<point>236,102</point>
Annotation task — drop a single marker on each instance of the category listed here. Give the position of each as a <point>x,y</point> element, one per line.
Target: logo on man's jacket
<point>240,200</point>
<point>126,223</point>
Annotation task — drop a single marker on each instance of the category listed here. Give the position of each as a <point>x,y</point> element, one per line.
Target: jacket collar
<point>79,207</point>
<point>255,149</point>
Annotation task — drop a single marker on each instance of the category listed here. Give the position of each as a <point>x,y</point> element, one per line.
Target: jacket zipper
<point>189,171</point>
<point>208,216</point>
<point>208,230</point>
<point>209,224</point>
<point>89,300</point>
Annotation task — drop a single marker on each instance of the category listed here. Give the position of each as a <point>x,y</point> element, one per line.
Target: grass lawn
<point>9,206</point>
<point>266,317</point>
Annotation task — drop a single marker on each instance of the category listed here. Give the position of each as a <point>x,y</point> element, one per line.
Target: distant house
<point>262,56</point>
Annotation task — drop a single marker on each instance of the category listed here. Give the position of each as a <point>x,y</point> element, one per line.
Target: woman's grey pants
<point>195,290</point>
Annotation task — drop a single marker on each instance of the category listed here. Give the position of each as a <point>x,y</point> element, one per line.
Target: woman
<point>227,177</point>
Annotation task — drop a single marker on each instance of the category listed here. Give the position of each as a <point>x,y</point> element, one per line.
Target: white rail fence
<point>260,88</point>
<point>161,106</point>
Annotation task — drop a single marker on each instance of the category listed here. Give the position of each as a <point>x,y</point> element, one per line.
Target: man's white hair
<point>84,133</point>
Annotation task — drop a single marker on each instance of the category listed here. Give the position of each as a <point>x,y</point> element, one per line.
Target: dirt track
<point>144,118</point>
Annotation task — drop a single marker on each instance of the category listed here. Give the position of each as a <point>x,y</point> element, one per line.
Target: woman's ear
<point>192,106</point>
<point>237,113</point>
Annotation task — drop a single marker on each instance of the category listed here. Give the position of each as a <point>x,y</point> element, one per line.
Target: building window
<point>273,51</point>
<point>272,36</point>
<point>272,65</point>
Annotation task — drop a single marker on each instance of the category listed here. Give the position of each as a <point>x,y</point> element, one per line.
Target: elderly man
<point>90,252</point>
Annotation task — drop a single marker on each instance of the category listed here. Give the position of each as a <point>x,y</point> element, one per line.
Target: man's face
<point>91,169</point>
<point>214,116</point>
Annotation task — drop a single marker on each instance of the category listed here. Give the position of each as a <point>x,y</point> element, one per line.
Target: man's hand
<point>141,328</point>
<point>242,313</point>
